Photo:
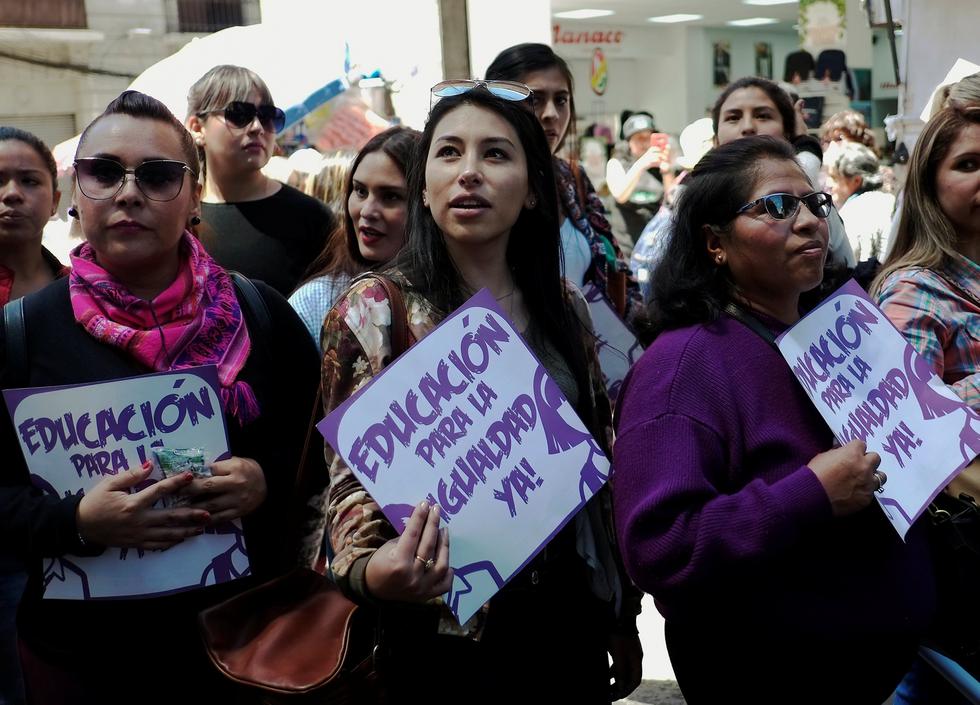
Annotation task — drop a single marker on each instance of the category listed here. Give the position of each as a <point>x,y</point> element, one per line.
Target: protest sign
<point>618,348</point>
<point>74,436</point>
<point>869,383</point>
<point>468,419</point>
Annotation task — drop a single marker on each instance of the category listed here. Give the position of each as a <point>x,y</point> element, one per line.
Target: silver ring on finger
<point>426,564</point>
<point>880,479</point>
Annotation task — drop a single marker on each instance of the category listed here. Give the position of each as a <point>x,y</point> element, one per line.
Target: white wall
<point>645,73</point>
<point>666,70</point>
<point>495,25</point>
<point>700,52</point>
<point>937,32</point>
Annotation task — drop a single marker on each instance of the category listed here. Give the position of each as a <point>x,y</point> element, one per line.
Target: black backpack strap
<point>249,295</point>
<point>16,337</point>
<point>750,322</point>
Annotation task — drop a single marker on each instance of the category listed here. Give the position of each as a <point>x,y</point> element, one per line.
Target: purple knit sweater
<point>719,516</point>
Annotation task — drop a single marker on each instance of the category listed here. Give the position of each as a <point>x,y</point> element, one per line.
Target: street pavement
<point>658,686</point>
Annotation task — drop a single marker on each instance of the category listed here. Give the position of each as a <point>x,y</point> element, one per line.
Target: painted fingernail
<point>187,476</point>
<point>423,505</point>
<point>436,509</point>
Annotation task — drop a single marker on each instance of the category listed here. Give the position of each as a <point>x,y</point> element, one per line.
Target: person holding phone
<point>250,223</point>
<point>638,181</point>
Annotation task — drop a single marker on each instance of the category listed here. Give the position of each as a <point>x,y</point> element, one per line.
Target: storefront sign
<point>586,36</point>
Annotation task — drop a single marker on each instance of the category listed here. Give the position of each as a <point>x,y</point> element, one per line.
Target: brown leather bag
<point>294,639</point>
<point>297,638</point>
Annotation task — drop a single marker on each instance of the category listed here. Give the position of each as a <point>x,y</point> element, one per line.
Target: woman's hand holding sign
<point>236,488</point>
<point>415,566</point>
<point>111,515</point>
<point>849,475</point>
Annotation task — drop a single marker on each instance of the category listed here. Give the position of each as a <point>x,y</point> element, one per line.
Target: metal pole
<point>891,39</point>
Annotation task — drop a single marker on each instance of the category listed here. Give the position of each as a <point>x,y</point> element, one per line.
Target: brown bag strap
<point>401,337</point>
<point>401,340</point>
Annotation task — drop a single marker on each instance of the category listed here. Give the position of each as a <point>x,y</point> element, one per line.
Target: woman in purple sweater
<point>779,579</point>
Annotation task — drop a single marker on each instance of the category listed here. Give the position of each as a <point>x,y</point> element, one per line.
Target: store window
<point>210,15</point>
<point>43,13</point>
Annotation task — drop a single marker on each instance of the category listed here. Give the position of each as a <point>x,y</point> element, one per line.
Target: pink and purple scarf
<point>194,321</point>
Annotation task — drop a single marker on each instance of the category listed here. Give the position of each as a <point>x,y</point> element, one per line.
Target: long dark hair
<point>688,286</point>
<point>777,95</point>
<point>341,255</point>
<point>514,63</point>
<point>533,249</point>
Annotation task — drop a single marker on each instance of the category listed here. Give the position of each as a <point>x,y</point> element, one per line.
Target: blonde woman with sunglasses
<point>250,223</point>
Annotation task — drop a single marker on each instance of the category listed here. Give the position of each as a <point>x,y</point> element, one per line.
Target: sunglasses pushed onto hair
<point>158,179</point>
<point>785,205</point>
<point>505,90</point>
<point>240,114</point>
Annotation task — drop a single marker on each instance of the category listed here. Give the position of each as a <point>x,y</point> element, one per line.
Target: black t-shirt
<point>273,239</point>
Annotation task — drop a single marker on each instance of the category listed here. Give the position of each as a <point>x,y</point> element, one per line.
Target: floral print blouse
<point>356,342</point>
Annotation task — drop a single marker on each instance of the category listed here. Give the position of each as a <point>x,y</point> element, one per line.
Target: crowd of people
<point>730,503</point>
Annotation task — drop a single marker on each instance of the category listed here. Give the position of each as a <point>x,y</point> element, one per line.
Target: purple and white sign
<point>73,436</point>
<point>618,348</point>
<point>869,383</point>
<point>469,420</point>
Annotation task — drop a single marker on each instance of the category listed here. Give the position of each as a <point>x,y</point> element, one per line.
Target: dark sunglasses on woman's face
<point>785,205</point>
<point>240,114</point>
<point>158,179</point>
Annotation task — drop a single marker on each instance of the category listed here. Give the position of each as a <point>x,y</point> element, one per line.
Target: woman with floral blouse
<point>482,214</point>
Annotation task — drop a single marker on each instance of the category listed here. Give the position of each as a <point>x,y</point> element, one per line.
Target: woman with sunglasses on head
<point>482,213</point>
<point>28,198</point>
<point>590,253</point>
<point>250,223</point>
<point>144,296</point>
<point>778,579</point>
<point>373,229</point>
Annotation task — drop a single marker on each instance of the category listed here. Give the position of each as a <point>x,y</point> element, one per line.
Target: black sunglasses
<point>158,179</point>
<point>785,205</point>
<point>240,114</point>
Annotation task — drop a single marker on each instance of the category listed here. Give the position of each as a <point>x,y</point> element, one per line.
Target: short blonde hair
<point>223,85</point>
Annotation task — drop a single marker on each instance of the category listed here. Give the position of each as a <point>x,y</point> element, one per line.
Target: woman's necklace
<point>510,302</point>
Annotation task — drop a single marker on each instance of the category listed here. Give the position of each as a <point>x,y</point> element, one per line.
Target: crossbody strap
<point>750,322</point>
<point>254,303</point>
<point>16,338</point>
<point>401,337</point>
<point>400,342</point>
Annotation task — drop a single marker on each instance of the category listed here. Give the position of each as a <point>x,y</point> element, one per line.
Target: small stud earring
<point>719,259</point>
<point>532,203</point>
<point>72,212</point>
<point>195,220</point>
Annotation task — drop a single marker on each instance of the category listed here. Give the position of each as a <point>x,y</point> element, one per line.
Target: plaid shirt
<point>940,316</point>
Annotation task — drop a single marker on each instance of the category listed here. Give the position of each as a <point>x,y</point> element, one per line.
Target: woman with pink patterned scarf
<point>144,296</point>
